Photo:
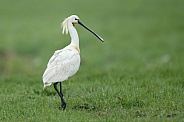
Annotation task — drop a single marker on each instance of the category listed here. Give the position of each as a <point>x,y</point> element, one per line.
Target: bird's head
<point>74,19</point>
<point>71,19</point>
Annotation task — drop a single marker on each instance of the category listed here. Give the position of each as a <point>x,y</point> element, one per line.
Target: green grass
<point>137,74</point>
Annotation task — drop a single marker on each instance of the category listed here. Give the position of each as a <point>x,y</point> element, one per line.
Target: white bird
<point>65,62</point>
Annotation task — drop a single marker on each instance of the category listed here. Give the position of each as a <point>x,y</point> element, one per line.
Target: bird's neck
<point>73,35</point>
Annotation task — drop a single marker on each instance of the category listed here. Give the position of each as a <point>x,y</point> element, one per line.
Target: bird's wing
<point>63,64</point>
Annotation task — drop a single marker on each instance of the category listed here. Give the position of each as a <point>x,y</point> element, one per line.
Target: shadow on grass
<point>84,106</point>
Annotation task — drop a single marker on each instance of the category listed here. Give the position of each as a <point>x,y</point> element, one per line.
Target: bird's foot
<point>63,106</point>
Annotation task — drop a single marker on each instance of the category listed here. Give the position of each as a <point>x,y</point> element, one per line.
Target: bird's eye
<point>76,19</point>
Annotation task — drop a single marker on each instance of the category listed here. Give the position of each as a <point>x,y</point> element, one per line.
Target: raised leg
<point>63,105</point>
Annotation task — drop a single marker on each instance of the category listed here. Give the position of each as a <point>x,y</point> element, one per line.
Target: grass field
<point>137,74</point>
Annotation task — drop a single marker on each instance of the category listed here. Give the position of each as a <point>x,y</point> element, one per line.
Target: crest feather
<point>64,25</point>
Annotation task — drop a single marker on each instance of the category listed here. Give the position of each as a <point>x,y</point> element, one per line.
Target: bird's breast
<point>76,48</point>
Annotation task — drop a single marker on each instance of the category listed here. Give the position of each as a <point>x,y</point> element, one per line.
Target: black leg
<point>61,89</point>
<point>63,105</point>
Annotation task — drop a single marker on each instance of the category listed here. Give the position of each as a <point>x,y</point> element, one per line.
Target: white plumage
<point>62,65</point>
<point>65,62</point>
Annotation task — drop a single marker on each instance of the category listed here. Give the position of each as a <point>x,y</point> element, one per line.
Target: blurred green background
<point>136,33</point>
<point>144,42</point>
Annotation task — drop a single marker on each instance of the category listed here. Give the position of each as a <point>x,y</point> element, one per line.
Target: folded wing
<point>62,65</point>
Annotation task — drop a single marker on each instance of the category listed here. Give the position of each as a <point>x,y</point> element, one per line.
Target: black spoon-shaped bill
<point>79,22</point>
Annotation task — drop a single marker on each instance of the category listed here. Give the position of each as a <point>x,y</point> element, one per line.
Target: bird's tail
<point>46,84</point>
